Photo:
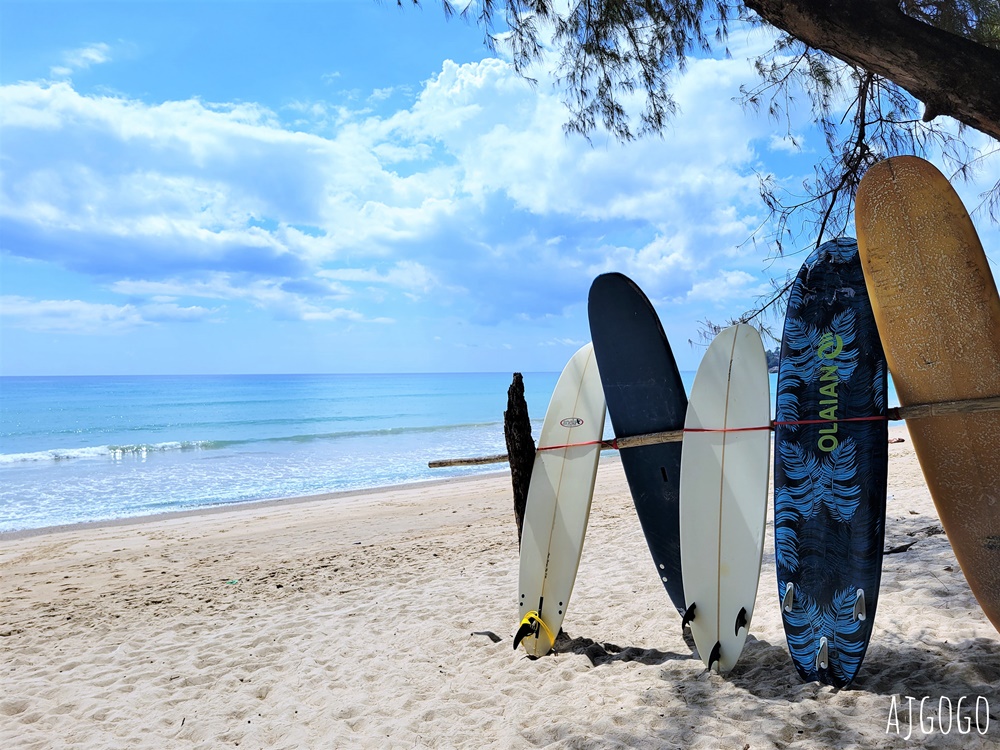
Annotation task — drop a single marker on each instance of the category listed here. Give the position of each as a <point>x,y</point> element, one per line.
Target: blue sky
<point>343,186</point>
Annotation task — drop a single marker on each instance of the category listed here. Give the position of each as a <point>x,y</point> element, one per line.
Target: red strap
<point>726,429</point>
<point>829,421</point>
<point>611,444</point>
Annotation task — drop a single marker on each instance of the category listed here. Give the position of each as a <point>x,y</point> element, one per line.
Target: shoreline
<point>344,497</point>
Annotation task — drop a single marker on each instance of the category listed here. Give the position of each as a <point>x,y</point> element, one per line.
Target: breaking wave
<point>142,450</point>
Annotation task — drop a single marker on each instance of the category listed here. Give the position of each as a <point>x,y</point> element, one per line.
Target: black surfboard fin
<point>715,655</point>
<point>688,616</point>
<point>528,627</point>
<point>741,620</point>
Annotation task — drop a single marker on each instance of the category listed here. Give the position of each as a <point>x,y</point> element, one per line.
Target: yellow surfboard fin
<point>532,624</point>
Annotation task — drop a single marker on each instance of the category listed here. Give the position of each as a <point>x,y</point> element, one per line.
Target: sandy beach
<point>385,619</point>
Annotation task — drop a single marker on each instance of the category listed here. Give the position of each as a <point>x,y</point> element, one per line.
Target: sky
<point>346,186</point>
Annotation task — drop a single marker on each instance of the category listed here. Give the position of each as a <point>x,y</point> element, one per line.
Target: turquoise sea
<point>76,449</point>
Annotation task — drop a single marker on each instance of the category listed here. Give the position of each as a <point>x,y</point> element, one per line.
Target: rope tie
<point>613,443</point>
<point>876,418</point>
<point>609,444</point>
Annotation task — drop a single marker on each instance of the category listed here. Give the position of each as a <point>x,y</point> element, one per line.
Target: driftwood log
<point>520,447</point>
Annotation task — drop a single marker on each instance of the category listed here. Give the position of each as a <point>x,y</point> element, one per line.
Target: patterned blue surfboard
<point>830,473</point>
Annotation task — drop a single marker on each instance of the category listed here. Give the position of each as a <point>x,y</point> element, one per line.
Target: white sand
<point>336,624</point>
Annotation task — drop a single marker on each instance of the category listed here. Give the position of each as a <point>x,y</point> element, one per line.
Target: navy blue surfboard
<point>830,472</point>
<point>644,393</point>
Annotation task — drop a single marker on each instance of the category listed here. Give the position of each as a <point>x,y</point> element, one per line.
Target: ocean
<point>76,449</point>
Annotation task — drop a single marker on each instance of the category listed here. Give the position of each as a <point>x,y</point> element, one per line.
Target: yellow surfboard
<point>938,314</point>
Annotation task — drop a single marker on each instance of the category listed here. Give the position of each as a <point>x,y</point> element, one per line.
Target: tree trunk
<point>951,75</point>
<point>520,447</point>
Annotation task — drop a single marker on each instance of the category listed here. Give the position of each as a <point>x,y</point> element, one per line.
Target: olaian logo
<point>571,422</point>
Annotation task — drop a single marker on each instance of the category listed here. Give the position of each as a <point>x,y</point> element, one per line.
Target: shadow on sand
<point>607,653</point>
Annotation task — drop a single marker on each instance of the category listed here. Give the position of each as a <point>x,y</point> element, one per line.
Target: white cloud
<point>408,275</point>
<point>662,266</point>
<point>81,59</point>
<point>200,177</point>
<point>507,137</point>
<point>163,312</point>
<point>75,316</point>
<point>286,298</point>
<point>790,143</point>
<point>339,313</point>
<point>321,211</point>
<point>473,187</point>
<point>69,316</point>
<point>726,286</point>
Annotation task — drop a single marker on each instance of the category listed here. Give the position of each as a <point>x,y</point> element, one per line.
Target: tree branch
<point>951,75</point>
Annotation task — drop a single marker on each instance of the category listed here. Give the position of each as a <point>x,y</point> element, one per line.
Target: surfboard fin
<point>823,655</point>
<point>688,616</point>
<point>534,625</point>
<point>741,620</point>
<point>860,611</point>
<point>715,655</point>
<point>788,600</point>
<point>527,628</point>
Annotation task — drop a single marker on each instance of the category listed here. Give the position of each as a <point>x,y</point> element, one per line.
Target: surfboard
<point>644,393</point>
<point>937,309</point>
<point>725,467</point>
<point>830,466</point>
<point>558,505</point>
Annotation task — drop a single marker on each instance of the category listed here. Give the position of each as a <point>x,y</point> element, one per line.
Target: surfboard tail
<point>533,625</point>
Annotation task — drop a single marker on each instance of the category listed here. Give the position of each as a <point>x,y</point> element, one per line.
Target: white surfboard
<point>558,504</point>
<point>725,466</point>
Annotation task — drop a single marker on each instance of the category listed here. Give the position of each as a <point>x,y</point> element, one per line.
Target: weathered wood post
<point>520,447</point>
